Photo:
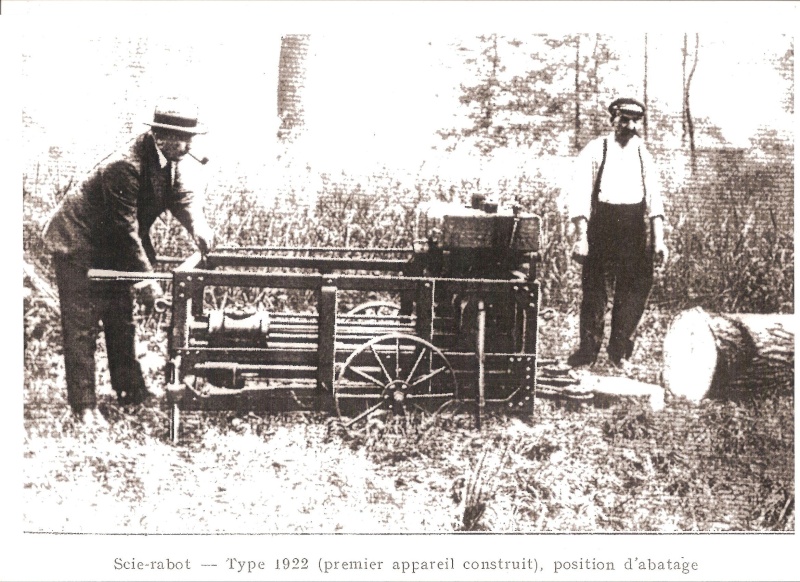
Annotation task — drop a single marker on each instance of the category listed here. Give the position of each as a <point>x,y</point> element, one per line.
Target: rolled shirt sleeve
<point>584,171</point>
<point>654,198</point>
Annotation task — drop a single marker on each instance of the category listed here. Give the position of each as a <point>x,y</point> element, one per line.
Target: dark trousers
<point>83,304</point>
<point>620,261</point>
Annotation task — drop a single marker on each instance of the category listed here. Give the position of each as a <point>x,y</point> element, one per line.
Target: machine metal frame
<point>461,339</point>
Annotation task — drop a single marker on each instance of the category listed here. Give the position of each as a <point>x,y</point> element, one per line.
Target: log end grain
<point>729,355</point>
<point>690,355</point>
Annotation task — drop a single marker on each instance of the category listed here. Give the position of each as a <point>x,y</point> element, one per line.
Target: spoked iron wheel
<point>395,372</point>
<point>375,308</point>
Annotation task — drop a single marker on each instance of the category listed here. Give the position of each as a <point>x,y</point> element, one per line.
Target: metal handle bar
<point>109,275</point>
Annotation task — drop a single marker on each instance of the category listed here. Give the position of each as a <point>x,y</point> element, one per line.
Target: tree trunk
<point>683,90</point>
<point>644,122</point>
<point>686,108</point>
<point>489,106</point>
<point>578,94</point>
<point>291,84</point>
<point>730,356</point>
<point>595,85</point>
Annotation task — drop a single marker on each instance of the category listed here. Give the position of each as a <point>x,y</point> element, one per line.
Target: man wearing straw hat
<point>105,224</point>
<point>616,192</point>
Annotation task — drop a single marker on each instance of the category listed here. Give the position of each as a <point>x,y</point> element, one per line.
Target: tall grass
<point>732,236</point>
<point>730,224</point>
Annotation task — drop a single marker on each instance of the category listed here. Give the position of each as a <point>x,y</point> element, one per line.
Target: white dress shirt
<point>629,175</point>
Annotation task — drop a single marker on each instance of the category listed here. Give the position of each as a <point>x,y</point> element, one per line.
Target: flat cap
<point>627,106</point>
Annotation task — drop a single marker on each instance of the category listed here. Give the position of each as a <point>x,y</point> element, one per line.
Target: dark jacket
<point>105,223</point>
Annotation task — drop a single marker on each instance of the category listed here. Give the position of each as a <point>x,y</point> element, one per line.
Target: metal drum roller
<point>227,329</point>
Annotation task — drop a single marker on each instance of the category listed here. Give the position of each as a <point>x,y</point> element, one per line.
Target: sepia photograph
<point>382,280</point>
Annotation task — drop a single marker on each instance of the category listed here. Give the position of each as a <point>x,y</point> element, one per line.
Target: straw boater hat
<point>177,115</point>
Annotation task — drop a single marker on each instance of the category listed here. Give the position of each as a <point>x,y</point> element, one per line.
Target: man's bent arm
<point>120,185</point>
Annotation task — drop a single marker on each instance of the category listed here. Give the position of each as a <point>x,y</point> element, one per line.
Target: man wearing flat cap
<point>105,224</point>
<point>615,196</point>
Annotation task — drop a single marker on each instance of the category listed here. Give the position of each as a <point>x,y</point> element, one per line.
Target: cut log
<point>729,356</point>
<point>609,389</point>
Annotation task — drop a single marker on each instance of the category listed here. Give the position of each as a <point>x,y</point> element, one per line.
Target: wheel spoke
<point>359,396</point>
<point>367,376</point>
<point>414,368</point>
<point>397,357</point>
<point>377,357</point>
<point>426,377</point>
<point>429,396</point>
<point>414,371</point>
<point>376,308</point>
<point>420,408</point>
<point>369,410</point>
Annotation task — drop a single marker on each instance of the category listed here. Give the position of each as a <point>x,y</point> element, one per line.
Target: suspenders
<point>641,166</point>
<point>596,187</point>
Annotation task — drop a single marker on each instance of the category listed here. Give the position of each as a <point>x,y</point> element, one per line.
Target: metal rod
<point>481,354</point>
<point>316,249</point>
<point>109,275</point>
<point>320,263</point>
<point>170,260</point>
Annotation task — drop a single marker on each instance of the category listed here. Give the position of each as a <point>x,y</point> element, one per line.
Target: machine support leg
<point>174,396</point>
<point>425,306</point>
<point>198,290</point>
<point>174,423</point>
<point>531,345</point>
<point>326,368</point>
<point>480,352</point>
<point>532,319</point>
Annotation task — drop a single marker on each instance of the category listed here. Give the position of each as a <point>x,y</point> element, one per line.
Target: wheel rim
<point>395,372</point>
<point>375,308</point>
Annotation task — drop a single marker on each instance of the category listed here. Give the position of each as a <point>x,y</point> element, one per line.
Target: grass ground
<point>714,467</point>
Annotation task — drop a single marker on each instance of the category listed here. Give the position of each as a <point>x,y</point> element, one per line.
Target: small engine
<point>483,240</point>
